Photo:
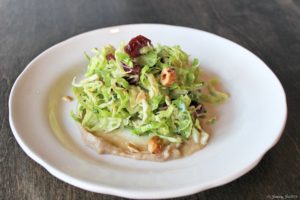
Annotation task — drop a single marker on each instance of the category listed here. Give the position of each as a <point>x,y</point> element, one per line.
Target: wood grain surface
<point>269,28</point>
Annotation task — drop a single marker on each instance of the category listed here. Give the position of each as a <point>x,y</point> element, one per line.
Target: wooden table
<point>269,28</point>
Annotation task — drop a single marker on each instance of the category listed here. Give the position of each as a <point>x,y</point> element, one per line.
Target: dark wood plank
<point>268,28</point>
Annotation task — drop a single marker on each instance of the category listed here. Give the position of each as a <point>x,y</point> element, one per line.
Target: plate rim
<point>101,188</point>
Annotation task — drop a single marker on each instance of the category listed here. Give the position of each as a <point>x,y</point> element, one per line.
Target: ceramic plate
<point>250,122</point>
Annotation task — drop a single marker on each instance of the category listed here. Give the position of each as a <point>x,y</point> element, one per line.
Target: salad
<point>152,91</point>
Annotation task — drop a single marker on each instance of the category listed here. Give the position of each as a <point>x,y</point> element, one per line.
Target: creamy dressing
<point>124,144</point>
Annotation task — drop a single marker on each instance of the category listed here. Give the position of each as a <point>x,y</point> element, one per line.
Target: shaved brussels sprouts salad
<point>150,90</point>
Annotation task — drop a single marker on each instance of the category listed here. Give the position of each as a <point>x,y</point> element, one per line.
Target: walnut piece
<point>67,98</point>
<point>167,76</point>
<point>155,145</point>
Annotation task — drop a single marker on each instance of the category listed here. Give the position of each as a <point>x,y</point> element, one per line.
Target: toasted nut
<point>140,97</point>
<point>167,76</point>
<point>155,145</point>
<point>67,98</point>
<point>133,148</point>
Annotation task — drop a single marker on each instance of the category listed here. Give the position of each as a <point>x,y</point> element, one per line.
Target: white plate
<point>251,122</point>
